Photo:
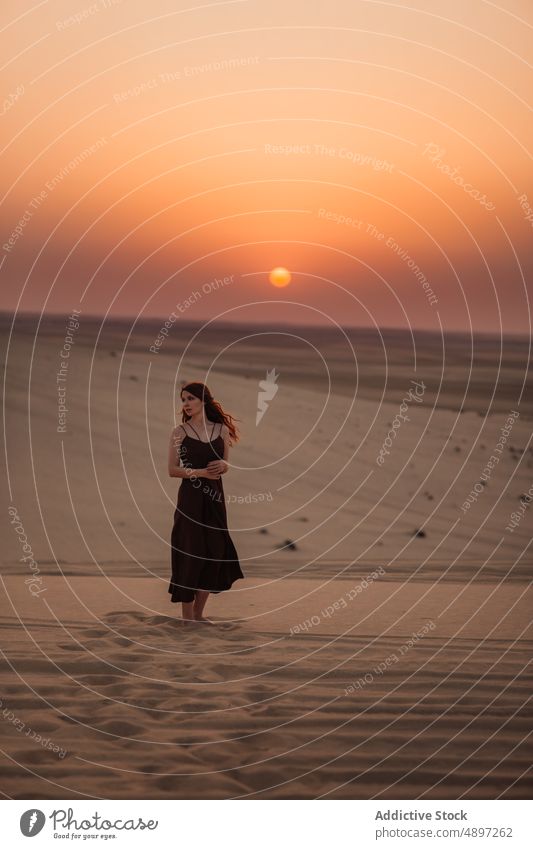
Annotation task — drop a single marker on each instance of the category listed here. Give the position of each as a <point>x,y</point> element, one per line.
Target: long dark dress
<point>203,554</point>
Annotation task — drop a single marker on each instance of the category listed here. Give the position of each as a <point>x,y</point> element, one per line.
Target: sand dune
<point>383,654</point>
<point>145,707</point>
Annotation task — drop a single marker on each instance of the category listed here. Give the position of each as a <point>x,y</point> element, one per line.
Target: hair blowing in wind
<point>213,409</point>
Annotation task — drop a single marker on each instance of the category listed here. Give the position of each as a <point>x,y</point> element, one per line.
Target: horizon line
<point>10,314</point>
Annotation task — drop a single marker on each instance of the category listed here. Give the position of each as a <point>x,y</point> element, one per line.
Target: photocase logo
<point>267,391</point>
<point>31,822</point>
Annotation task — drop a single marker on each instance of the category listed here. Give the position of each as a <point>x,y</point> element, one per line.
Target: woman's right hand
<point>207,473</point>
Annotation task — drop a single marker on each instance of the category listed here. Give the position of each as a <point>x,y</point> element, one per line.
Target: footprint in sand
<point>258,694</point>
<point>150,769</point>
<point>162,620</point>
<point>35,756</point>
<point>69,720</point>
<point>124,616</point>
<point>82,667</point>
<point>120,727</point>
<point>43,724</point>
<point>130,660</point>
<point>169,782</point>
<point>118,690</point>
<point>97,680</point>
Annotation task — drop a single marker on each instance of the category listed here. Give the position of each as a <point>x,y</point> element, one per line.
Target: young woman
<point>204,559</point>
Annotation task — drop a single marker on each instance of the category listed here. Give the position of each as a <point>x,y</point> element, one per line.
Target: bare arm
<point>175,470</point>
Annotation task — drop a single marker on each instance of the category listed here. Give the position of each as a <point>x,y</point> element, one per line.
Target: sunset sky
<point>381,152</point>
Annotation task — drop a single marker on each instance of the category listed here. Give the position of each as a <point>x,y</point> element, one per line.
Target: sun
<point>279,277</point>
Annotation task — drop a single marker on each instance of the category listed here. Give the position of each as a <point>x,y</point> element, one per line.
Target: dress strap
<point>196,432</point>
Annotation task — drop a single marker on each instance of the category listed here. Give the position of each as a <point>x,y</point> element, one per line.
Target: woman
<point>204,559</point>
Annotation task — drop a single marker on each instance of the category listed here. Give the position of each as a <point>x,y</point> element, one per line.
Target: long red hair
<point>213,409</point>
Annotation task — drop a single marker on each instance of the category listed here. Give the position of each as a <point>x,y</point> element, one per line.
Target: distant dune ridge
<point>411,678</point>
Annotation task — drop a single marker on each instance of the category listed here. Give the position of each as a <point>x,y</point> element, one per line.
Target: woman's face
<point>191,404</point>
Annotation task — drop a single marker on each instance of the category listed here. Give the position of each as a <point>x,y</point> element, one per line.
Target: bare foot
<point>203,619</point>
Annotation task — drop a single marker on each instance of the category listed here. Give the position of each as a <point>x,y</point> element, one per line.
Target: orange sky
<point>377,151</point>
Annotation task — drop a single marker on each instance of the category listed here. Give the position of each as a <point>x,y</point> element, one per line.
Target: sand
<point>365,662</point>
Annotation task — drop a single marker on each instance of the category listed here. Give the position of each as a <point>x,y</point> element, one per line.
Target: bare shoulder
<point>224,432</point>
<point>177,434</point>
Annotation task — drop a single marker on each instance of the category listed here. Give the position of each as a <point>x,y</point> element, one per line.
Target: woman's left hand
<point>219,466</point>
